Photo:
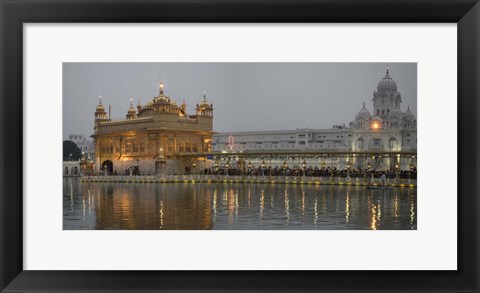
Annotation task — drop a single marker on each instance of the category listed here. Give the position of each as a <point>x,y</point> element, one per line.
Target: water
<point>227,206</point>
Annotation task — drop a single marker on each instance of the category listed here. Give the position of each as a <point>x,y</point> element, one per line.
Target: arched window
<point>392,143</point>
<point>360,143</point>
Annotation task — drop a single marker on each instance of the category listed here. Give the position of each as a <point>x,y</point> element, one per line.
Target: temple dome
<point>363,113</point>
<point>386,84</point>
<point>131,110</point>
<point>100,107</point>
<point>408,115</point>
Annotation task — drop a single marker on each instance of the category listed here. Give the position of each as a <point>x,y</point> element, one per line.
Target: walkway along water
<point>357,181</point>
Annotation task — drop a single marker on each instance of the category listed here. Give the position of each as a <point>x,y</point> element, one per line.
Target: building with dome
<point>153,138</point>
<point>387,129</point>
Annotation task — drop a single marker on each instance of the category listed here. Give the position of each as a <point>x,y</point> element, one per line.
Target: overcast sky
<point>245,96</point>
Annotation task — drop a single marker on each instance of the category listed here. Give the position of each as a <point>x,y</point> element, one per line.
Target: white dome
<point>386,84</point>
<point>408,115</point>
<point>363,113</point>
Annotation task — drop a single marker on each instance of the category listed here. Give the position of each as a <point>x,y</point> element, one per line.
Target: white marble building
<point>386,129</point>
<point>86,145</point>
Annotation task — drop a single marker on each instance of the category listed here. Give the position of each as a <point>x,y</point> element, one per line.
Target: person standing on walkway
<point>383,179</point>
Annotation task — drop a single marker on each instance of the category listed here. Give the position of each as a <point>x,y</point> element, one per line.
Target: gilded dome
<point>386,84</point>
<point>100,107</point>
<point>131,110</point>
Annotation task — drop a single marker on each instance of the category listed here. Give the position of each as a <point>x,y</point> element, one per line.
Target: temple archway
<point>109,166</point>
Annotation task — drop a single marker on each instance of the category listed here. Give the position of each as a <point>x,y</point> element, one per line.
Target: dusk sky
<point>245,96</point>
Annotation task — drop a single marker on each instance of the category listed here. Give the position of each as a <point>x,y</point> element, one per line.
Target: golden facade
<point>155,138</point>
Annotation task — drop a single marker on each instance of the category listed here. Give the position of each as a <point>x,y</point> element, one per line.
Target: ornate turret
<point>139,106</point>
<point>161,88</point>
<point>204,108</point>
<point>362,118</point>
<point>161,94</point>
<point>100,113</point>
<point>386,98</point>
<point>131,114</point>
<point>408,119</point>
<point>363,113</point>
<point>184,107</point>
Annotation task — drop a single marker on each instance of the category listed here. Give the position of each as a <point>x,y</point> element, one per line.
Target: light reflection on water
<point>227,206</point>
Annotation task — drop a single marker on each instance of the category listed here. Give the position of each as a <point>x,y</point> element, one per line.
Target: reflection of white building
<point>86,146</point>
<point>386,129</point>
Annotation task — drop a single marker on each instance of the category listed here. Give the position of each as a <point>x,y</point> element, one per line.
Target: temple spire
<point>161,85</point>
<point>161,88</point>
<point>388,69</point>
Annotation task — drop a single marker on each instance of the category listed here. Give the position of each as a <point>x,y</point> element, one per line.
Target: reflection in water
<point>347,207</point>
<point>287,206</point>
<point>413,206</point>
<point>235,206</point>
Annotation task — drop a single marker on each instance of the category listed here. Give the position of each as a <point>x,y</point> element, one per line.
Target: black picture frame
<point>14,13</point>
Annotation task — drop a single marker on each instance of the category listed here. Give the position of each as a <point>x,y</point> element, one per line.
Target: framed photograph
<point>239,146</point>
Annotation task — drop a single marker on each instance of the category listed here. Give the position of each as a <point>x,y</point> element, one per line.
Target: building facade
<point>154,138</point>
<point>71,168</point>
<point>386,129</point>
<point>86,145</point>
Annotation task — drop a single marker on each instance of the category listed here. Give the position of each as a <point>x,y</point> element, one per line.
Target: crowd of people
<point>310,172</point>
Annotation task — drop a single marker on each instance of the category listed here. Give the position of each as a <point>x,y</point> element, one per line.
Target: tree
<point>69,147</point>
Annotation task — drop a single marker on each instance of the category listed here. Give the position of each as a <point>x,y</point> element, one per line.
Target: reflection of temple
<point>235,206</point>
<point>152,137</point>
<point>151,207</point>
